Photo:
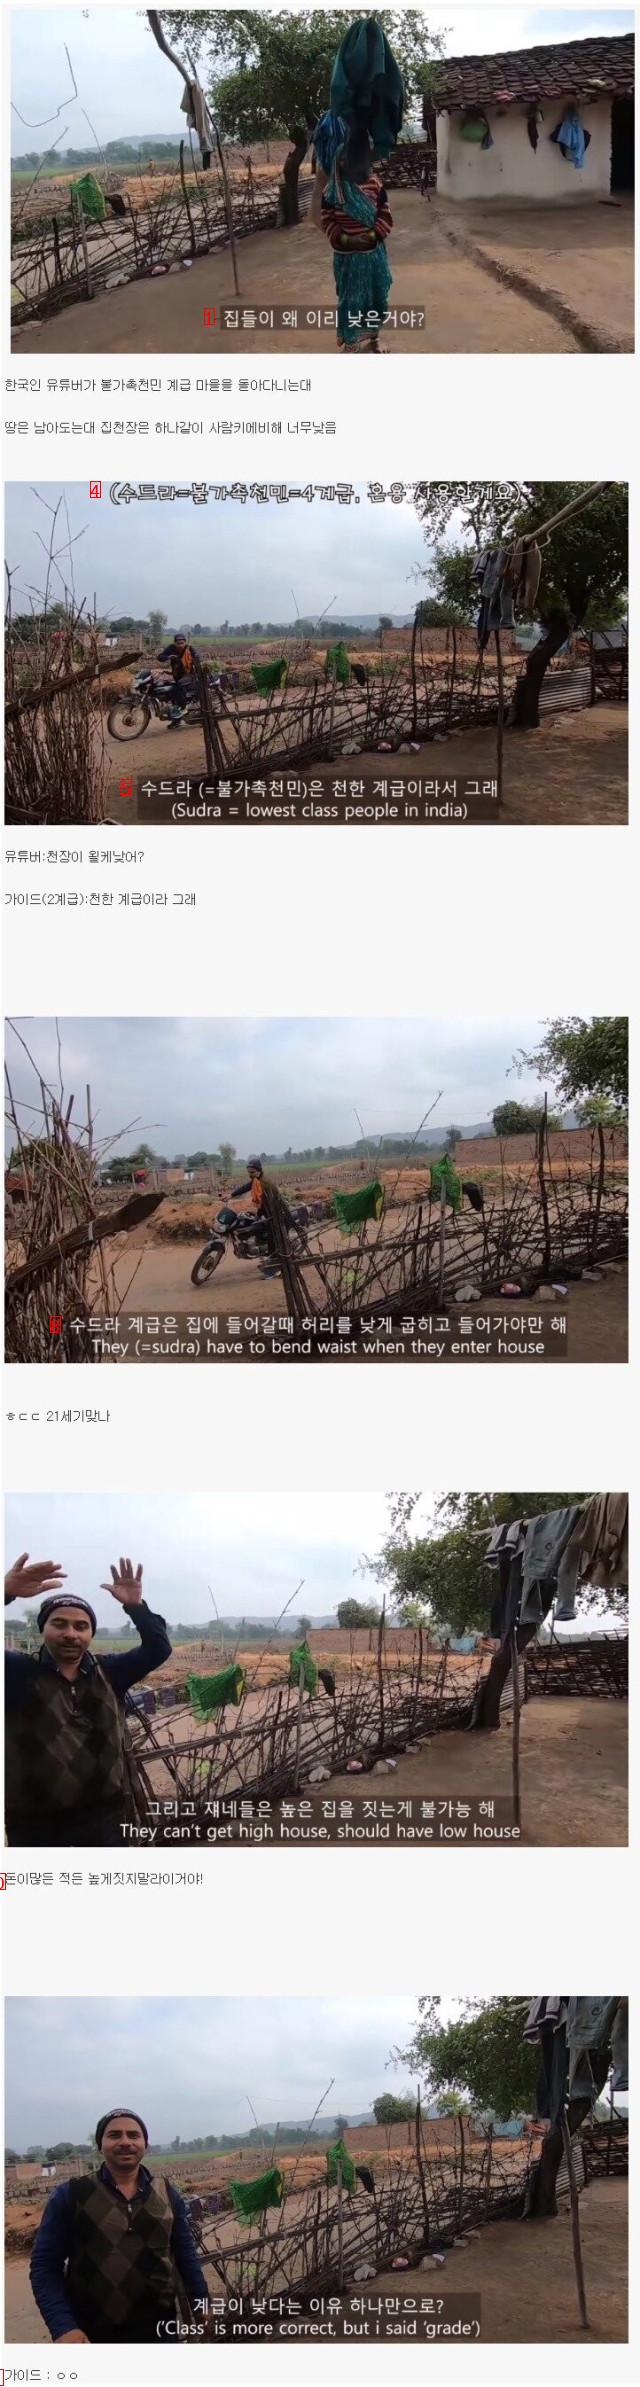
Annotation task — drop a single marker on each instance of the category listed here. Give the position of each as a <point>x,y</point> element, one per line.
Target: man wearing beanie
<point>114,2261</point>
<point>67,1768</point>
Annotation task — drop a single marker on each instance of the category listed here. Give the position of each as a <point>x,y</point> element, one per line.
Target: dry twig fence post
<point>575,2222</point>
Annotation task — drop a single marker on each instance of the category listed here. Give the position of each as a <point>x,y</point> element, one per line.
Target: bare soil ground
<point>468,312</point>
<point>573,769</point>
<point>573,1765</point>
<point>523,2272</point>
<point>597,1314</point>
<point>581,254</point>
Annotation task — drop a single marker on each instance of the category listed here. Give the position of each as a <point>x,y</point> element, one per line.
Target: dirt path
<point>523,2272</point>
<point>581,255</point>
<point>573,769</point>
<point>597,1315</point>
<point>467,311</point>
<point>573,1763</point>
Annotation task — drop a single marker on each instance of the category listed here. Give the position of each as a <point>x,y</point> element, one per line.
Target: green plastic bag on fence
<point>253,2196</point>
<point>302,1663</point>
<point>445,1180</point>
<point>338,2155</point>
<point>336,663</point>
<point>93,204</point>
<point>208,1691</point>
<point>266,676</point>
<point>352,1209</point>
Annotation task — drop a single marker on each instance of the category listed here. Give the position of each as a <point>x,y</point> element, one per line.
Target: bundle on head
<point>358,153</point>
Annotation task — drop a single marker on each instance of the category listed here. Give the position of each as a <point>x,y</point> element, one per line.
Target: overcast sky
<point>188,2065</point>
<point>215,563</point>
<point>250,1553</point>
<point>267,1084</point>
<point>127,87</point>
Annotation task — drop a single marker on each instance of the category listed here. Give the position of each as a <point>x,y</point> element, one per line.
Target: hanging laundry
<point>475,127</point>
<point>590,2023</point>
<point>530,577</point>
<point>209,1691</point>
<point>195,107</point>
<point>352,1209</point>
<point>534,118</point>
<point>547,1537</point>
<point>91,196</point>
<point>336,664</point>
<point>605,1541</point>
<point>366,84</point>
<point>444,1180</point>
<point>266,676</point>
<point>496,606</point>
<point>571,137</point>
<point>302,1667</point>
<point>358,673</point>
<point>504,1556</point>
<point>327,1677</point>
<point>620,2046</point>
<point>365,2174</point>
<point>254,2196</point>
<point>338,2155</point>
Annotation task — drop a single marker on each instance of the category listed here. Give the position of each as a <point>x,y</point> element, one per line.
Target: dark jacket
<point>121,1671</point>
<point>53,2246</point>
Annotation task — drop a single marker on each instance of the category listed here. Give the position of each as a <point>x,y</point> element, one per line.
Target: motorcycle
<point>148,698</point>
<point>246,1240</point>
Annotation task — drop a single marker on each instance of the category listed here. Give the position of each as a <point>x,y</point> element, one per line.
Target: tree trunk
<point>525,710</point>
<point>543,2202</point>
<point>289,210</point>
<point>487,1716</point>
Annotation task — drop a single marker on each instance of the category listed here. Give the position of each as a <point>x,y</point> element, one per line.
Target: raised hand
<point>24,1582</point>
<point>125,1585</point>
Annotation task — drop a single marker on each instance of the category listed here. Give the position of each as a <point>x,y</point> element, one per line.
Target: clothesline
<point>575,506</point>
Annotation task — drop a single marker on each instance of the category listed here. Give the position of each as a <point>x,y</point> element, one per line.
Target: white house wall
<point>512,169</point>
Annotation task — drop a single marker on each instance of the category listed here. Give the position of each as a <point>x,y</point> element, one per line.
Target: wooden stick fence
<point>420,2202</point>
<point>588,1669</point>
<point>274,1750</point>
<point>60,258</point>
<point>518,1237</point>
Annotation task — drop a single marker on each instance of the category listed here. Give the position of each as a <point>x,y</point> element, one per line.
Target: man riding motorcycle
<point>260,1224</point>
<point>180,656</point>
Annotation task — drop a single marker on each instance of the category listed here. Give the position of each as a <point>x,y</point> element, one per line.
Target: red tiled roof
<point>555,70</point>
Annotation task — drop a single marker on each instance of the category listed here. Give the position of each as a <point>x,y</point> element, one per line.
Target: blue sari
<point>362,276</point>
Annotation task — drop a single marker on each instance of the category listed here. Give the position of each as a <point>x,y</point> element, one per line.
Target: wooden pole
<point>296,1769</point>
<point>575,2223</point>
<point>441,1241</point>
<point>340,2229</point>
<point>185,194</point>
<point>500,725</point>
<point>461,2186</point>
<point>515,1743</point>
<point>421,2171</point>
<point>381,1675</point>
<point>76,205</point>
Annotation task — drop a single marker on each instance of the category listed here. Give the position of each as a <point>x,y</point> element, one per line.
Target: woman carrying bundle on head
<point>362,124</point>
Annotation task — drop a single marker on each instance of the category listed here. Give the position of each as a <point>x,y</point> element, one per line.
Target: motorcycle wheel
<point>128,720</point>
<point>209,1260</point>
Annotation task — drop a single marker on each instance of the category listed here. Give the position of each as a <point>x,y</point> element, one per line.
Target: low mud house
<point>496,117</point>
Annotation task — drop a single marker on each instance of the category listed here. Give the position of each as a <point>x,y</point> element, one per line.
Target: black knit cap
<point>120,2113</point>
<point>65,1599</point>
